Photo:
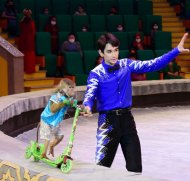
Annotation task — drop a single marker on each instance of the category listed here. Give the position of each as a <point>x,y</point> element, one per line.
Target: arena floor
<point>165,140</point>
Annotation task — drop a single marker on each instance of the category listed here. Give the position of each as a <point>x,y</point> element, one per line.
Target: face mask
<point>84,29</point>
<point>53,22</point>
<point>155,27</point>
<point>138,40</point>
<point>120,29</point>
<point>72,40</point>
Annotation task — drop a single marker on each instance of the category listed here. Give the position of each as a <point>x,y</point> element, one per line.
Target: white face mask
<point>138,40</point>
<point>84,30</point>
<point>155,27</point>
<point>53,22</point>
<point>120,29</point>
<point>72,40</point>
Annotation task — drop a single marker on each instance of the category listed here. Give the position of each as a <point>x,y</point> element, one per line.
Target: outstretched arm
<point>181,44</point>
<point>159,62</point>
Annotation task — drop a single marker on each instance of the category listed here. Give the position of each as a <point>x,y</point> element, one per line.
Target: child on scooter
<point>53,114</point>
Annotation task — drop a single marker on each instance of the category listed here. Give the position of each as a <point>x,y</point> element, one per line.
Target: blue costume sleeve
<point>92,86</point>
<point>152,65</point>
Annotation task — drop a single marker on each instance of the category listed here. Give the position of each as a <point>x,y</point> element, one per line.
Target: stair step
<point>11,40</point>
<point>159,1</point>
<point>175,44</point>
<point>38,82</point>
<point>187,75</point>
<point>37,74</point>
<point>177,40</point>
<point>4,35</point>
<point>161,5</point>
<point>183,63</point>
<point>37,88</point>
<point>163,9</point>
<point>172,24</point>
<point>184,57</point>
<point>185,69</point>
<point>174,29</point>
<point>166,14</point>
<point>177,34</point>
<point>170,19</point>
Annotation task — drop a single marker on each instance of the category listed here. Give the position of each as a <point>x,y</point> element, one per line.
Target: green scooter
<point>64,161</point>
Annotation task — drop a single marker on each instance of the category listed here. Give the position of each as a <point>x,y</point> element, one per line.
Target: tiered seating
<point>74,66</point>
<point>43,48</point>
<point>97,23</point>
<point>134,19</point>
<point>172,22</point>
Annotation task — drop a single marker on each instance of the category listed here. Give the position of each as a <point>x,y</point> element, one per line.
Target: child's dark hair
<point>105,39</point>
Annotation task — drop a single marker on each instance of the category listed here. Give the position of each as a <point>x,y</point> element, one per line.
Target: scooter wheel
<point>36,159</point>
<point>28,152</point>
<point>66,167</point>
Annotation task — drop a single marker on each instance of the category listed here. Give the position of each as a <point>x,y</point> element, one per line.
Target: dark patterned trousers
<point>114,129</point>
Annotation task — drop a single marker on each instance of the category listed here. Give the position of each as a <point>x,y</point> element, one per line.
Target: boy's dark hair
<point>105,39</point>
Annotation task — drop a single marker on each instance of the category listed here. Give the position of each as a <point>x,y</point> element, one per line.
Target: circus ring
<point>21,112</point>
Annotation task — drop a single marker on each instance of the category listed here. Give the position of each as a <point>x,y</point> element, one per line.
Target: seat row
<point>88,40</point>
<point>91,6</point>
<point>79,67</point>
<point>102,22</point>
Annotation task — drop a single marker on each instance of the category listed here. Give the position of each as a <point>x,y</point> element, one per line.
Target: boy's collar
<point>108,66</point>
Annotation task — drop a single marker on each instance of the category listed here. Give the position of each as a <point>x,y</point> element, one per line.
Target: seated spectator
<point>45,11</point>
<point>53,29</point>
<point>171,71</point>
<point>135,76</point>
<point>120,28</point>
<point>152,34</point>
<point>113,11</point>
<point>85,28</point>
<point>138,43</point>
<point>10,13</point>
<point>133,53</point>
<point>80,11</point>
<point>99,60</point>
<point>71,45</point>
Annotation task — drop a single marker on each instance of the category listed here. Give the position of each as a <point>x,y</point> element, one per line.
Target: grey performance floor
<point>165,140</point>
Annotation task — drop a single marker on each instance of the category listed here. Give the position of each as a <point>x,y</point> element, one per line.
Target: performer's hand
<point>181,44</point>
<point>86,111</point>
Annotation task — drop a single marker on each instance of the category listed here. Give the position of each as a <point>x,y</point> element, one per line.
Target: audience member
<point>113,11</point>
<point>53,29</point>
<point>136,76</point>
<point>27,41</point>
<point>152,34</point>
<point>171,71</point>
<point>120,28</point>
<point>133,53</point>
<point>99,60</point>
<point>80,11</point>
<point>10,13</point>
<point>138,43</point>
<point>45,11</point>
<point>85,28</point>
<point>71,45</point>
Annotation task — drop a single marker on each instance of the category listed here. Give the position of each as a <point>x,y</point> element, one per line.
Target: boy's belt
<point>116,111</point>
